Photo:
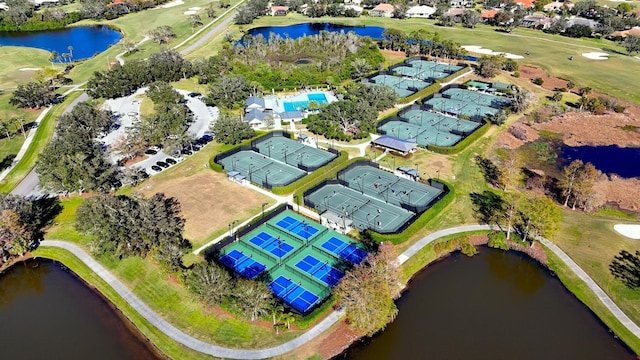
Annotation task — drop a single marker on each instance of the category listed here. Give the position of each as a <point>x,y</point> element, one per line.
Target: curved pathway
<point>219,351</point>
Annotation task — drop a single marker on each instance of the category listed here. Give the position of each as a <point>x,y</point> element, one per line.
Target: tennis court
<point>477,98</point>
<point>290,252</point>
<point>365,211</point>
<point>402,86</point>
<point>460,107</point>
<point>389,187</point>
<point>293,153</point>
<point>261,169</point>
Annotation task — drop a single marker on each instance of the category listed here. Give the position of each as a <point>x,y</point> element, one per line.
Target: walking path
<point>209,34</point>
<point>119,56</point>
<point>219,351</point>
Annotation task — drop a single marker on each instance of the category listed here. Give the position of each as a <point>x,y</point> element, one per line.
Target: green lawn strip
<point>206,20</point>
<point>39,142</point>
<point>586,296</point>
<point>9,148</point>
<point>166,345</point>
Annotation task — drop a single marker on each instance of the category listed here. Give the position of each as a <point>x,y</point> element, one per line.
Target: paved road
<point>211,32</point>
<point>325,324</point>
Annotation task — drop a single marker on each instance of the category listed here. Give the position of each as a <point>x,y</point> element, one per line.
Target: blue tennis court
<point>243,264</point>
<point>297,227</point>
<point>323,271</point>
<point>294,294</point>
<point>345,250</point>
<point>271,244</point>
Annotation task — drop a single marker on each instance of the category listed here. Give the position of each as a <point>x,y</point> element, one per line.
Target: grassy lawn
<point>592,243</point>
<point>38,143</point>
<point>15,58</point>
<point>9,147</point>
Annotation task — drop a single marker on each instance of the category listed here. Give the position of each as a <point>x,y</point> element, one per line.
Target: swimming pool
<point>293,105</point>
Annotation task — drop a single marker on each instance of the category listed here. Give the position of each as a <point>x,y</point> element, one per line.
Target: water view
<point>47,312</point>
<point>495,305</point>
<point>612,159</point>
<point>306,29</point>
<point>86,41</point>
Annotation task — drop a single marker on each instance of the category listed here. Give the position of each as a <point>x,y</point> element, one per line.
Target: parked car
<point>143,174</point>
<point>151,152</point>
<point>156,168</point>
<point>170,161</point>
<point>194,94</point>
<point>162,164</point>
<point>186,151</point>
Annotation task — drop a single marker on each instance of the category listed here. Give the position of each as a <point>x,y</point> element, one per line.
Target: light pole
<point>263,205</point>
<point>266,178</point>
<point>297,201</point>
<point>417,169</point>
<point>250,168</point>
<point>231,225</point>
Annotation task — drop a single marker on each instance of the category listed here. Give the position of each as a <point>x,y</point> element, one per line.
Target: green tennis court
<point>293,153</point>
<point>460,107</point>
<point>300,259</point>
<point>260,169</point>
<point>389,187</point>
<point>402,86</point>
<point>423,135</point>
<point>477,98</point>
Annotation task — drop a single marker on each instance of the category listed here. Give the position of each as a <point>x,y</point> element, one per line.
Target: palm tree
<point>70,51</point>
<point>289,318</point>
<point>53,57</point>
<point>20,121</point>
<point>4,127</point>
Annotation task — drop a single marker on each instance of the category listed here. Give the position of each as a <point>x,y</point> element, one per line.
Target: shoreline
<point>329,344</point>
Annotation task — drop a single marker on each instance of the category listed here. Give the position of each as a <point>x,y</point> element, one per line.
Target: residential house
<point>382,10</point>
<point>279,10</point>
<point>525,4</point>
<point>488,15</point>
<point>582,21</point>
<point>353,2</point>
<point>455,12</point>
<point>624,33</point>
<point>354,7</point>
<point>538,21</point>
<point>557,6</point>
<point>421,11</point>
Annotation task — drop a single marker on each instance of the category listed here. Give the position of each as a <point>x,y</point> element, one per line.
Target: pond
<point>45,310</point>
<point>306,29</point>
<point>495,305</point>
<point>86,41</point>
<point>612,159</point>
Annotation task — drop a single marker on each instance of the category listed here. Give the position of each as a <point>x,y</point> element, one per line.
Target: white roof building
<point>422,11</point>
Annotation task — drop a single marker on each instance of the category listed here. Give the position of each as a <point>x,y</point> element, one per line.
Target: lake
<point>306,29</point>
<point>46,312</point>
<point>623,161</point>
<point>86,40</point>
<point>495,305</point>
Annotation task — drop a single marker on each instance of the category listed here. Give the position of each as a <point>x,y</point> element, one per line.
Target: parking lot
<point>127,111</point>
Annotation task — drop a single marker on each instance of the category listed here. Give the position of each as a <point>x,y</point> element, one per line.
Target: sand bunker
<point>481,50</point>
<point>631,231</point>
<point>172,4</point>
<point>195,8</point>
<point>596,55</point>
<point>190,12</point>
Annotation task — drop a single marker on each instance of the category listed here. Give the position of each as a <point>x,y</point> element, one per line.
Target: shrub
<point>538,81</point>
<point>498,240</point>
<point>518,132</point>
<point>516,74</point>
<point>618,108</point>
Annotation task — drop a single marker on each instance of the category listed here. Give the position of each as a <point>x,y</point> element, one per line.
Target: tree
<point>578,31</point>
<point>32,95</point>
<point>360,68</point>
<point>230,129</point>
<point>168,65</point>
<point>378,96</point>
<point>228,91</point>
<point>557,96</point>
<point>195,21</point>
<point>626,267</point>
<point>583,188</point>
<point>557,25</point>
<point>211,11</point>
<point>252,298</point>
<point>125,226</point>
<point>471,18</point>
<point>522,100</point>
<point>499,118</point>
<point>632,44</point>
<point>568,179</point>
<point>367,292</point>
<point>4,128</point>
<point>161,34</point>
<point>490,66</point>
<point>344,119</point>
<point>539,217</point>
<point>18,12</point>
<point>209,281</point>
<point>487,206</point>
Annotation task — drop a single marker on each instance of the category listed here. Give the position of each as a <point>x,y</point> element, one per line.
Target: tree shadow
<point>7,161</point>
<point>45,211</point>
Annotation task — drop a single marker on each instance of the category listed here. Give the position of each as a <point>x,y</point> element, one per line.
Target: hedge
<point>313,177</point>
<point>420,222</point>
<point>463,143</point>
<point>434,88</point>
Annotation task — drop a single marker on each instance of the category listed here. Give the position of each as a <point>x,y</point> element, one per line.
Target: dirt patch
<point>506,139</point>
<point>583,128</point>
<point>625,193</point>
<point>207,201</point>
<point>393,56</point>
<point>337,341</point>
<point>550,82</point>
